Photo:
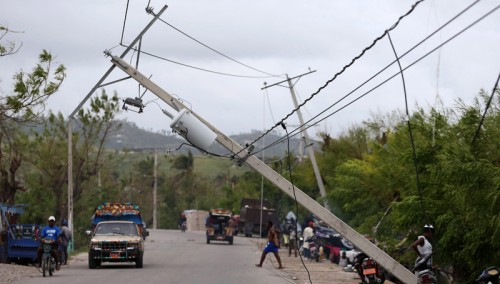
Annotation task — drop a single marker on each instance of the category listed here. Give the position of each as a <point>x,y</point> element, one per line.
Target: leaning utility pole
<point>381,257</point>
<point>304,134</point>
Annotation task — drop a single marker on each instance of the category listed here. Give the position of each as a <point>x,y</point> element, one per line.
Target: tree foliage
<point>376,190</point>
<point>8,47</point>
<point>24,105</point>
<point>31,91</point>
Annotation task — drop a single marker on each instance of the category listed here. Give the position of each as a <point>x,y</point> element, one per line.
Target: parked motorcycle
<point>423,271</point>
<point>368,270</point>
<point>372,272</point>
<point>314,248</point>
<point>48,262</point>
<point>490,275</point>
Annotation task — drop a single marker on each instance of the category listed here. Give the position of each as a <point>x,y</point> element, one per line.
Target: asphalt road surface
<point>176,257</point>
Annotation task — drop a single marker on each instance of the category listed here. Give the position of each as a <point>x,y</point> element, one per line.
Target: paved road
<point>176,257</point>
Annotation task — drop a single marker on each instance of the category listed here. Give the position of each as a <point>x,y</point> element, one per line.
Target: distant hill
<point>131,137</point>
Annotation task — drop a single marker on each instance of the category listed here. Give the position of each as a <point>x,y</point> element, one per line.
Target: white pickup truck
<point>115,241</point>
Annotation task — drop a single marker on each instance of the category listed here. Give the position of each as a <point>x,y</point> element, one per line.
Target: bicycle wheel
<point>44,266</point>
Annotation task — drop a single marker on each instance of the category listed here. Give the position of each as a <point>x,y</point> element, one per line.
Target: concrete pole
<point>317,173</point>
<point>392,266</point>
<point>155,189</point>
<point>70,181</point>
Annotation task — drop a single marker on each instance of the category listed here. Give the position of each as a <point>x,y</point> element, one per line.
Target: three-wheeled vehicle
<point>220,226</point>
<point>17,241</point>
<point>21,243</point>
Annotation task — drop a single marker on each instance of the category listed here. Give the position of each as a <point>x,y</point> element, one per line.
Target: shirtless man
<point>272,245</point>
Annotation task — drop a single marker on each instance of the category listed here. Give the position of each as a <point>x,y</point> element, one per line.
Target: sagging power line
<point>150,11</point>
<point>353,60</point>
<point>379,72</point>
<point>313,121</point>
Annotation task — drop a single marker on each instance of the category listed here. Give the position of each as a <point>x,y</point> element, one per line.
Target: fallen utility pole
<point>382,258</point>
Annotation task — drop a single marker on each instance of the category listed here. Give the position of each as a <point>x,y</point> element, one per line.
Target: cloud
<point>277,37</point>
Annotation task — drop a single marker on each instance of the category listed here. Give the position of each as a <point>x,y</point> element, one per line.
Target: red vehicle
<point>372,272</point>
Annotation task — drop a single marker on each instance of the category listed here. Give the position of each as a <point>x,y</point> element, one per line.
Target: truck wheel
<point>138,262</point>
<point>92,263</point>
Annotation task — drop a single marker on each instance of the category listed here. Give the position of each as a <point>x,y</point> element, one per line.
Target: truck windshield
<point>129,229</point>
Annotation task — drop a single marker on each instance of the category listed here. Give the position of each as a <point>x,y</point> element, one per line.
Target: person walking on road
<point>293,240</point>
<point>66,237</point>
<point>272,245</point>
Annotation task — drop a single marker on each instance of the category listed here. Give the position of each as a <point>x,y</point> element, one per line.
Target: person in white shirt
<point>308,232</point>
<point>422,245</point>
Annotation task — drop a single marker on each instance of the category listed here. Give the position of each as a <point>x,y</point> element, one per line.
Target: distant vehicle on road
<point>250,212</point>
<point>220,226</point>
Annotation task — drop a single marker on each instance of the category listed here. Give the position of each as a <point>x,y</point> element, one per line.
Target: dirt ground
<point>13,272</point>
<point>321,272</point>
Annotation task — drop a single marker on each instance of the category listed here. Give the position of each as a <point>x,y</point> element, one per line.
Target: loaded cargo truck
<point>117,235</point>
<point>250,211</point>
<point>110,211</point>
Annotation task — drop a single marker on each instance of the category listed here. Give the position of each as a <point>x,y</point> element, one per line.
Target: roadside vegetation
<point>374,182</point>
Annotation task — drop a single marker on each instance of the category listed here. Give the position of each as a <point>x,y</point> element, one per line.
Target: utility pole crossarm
<point>287,79</point>
<point>310,204</point>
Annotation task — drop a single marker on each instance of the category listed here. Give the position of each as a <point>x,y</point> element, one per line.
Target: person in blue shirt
<point>53,232</point>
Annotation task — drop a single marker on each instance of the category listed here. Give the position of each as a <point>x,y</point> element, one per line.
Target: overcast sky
<point>277,37</point>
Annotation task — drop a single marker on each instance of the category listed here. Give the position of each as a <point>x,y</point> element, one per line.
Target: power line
<point>269,105</point>
<point>390,64</point>
<point>485,110</point>
<point>389,78</point>
<point>124,21</point>
<point>198,68</point>
<point>341,71</point>
<point>212,49</point>
<point>150,11</point>
<point>414,151</point>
